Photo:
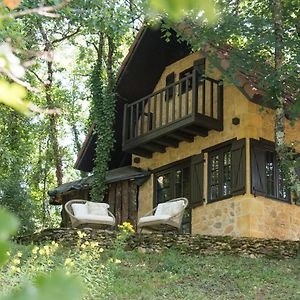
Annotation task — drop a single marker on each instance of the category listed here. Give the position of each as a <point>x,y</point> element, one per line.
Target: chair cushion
<point>99,209</point>
<point>88,218</point>
<point>169,208</point>
<point>79,209</point>
<point>160,218</point>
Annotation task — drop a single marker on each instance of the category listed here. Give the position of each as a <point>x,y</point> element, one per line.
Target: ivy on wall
<point>103,113</point>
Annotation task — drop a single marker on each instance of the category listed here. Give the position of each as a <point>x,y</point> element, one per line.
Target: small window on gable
<point>266,176</point>
<point>169,80</point>
<point>186,85</point>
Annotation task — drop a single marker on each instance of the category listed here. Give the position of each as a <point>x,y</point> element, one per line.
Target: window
<point>173,182</point>
<point>226,170</point>
<point>186,85</point>
<point>266,177</point>
<point>219,173</point>
<point>199,65</point>
<point>169,80</point>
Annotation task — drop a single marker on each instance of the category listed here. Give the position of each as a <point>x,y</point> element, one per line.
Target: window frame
<point>267,146</point>
<point>172,168</point>
<point>220,149</point>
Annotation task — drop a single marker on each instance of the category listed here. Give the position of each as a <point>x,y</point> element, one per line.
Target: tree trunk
<point>286,163</point>
<point>50,104</point>
<point>53,127</point>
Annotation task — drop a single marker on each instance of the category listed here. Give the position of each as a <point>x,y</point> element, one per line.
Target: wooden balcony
<point>182,110</point>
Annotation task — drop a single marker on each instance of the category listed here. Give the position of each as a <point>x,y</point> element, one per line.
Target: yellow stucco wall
<point>238,216</point>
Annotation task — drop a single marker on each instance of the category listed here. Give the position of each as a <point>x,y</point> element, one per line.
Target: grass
<point>173,276</point>
<point>170,275</point>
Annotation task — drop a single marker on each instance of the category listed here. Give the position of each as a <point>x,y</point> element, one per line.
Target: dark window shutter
<point>238,167</point>
<point>200,65</point>
<point>197,174</point>
<point>169,80</point>
<point>258,173</point>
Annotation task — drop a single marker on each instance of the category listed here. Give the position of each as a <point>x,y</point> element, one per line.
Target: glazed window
<point>219,174</point>
<point>173,182</point>
<point>266,177</point>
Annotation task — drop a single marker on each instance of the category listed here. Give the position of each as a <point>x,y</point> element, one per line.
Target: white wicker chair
<point>165,216</point>
<point>84,213</point>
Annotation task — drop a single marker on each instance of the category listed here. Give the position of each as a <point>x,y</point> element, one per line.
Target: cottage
<point>202,138</point>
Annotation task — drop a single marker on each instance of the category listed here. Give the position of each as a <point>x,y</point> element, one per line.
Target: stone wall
<point>248,216</point>
<point>254,123</point>
<point>186,244</point>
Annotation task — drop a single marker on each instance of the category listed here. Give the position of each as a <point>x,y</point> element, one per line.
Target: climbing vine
<point>104,113</point>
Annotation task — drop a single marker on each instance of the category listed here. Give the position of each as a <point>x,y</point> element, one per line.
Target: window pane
<point>178,183</point>
<point>270,173</point>
<point>227,173</point>
<point>163,188</point>
<point>214,173</point>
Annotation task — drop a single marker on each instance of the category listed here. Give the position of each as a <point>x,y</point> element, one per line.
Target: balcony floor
<point>171,135</point>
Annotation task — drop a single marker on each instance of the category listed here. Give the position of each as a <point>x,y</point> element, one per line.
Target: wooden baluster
<point>220,101</point>
<point>167,106</point>
<point>187,96</point>
<point>195,92</point>
<point>173,103</point>
<point>203,94</point>
<point>149,114</point>
<point>125,125</point>
<point>212,99</point>
<point>131,128</point>
<point>142,116</point>
<point>137,119</point>
<point>154,112</point>
<point>180,98</point>
<point>160,109</point>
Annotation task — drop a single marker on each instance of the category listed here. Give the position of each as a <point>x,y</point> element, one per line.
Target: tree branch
<point>37,76</point>
<point>43,11</point>
<point>67,36</point>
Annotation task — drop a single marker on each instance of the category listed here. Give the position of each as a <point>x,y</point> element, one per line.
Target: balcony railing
<point>193,100</point>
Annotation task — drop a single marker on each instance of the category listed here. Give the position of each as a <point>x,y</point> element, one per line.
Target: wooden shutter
<point>197,175</point>
<point>238,167</point>
<point>169,80</point>
<point>258,172</point>
<point>200,66</point>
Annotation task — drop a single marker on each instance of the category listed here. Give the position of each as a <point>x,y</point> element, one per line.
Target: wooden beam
<point>142,152</point>
<point>182,136</point>
<point>167,142</point>
<point>153,147</point>
<point>195,130</point>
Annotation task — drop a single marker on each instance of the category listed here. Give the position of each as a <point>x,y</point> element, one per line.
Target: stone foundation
<point>248,216</point>
<point>186,244</point>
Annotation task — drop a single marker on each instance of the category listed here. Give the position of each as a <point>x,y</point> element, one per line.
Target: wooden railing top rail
<point>203,77</point>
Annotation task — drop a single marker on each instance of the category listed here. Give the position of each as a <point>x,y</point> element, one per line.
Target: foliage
<point>15,198</point>
<point>176,10</point>
<point>169,274</point>
<point>44,287</point>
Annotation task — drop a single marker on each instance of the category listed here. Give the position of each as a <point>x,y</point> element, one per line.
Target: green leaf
<point>8,225</point>
<point>3,252</point>
<point>11,94</point>
<point>178,9</point>
<point>56,285</point>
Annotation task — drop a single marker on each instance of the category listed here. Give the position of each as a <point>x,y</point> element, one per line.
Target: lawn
<point>168,275</point>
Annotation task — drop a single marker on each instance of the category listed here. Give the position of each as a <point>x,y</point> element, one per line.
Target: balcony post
<point>194,93</point>
<point>220,102</point>
<point>125,125</point>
